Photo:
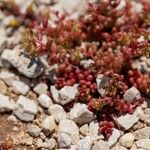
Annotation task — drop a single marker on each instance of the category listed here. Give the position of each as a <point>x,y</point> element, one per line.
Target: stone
<point>20,87</point>
<point>93,130</point>
<point>67,94</point>
<point>74,8</point>
<point>45,101</point>
<point>147,111</point>
<point>69,127</point>
<point>64,140</point>
<point>25,109</point>
<point>143,144</point>
<point>40,88</point>
<point>132,94</point>
<point>6,104</point>
<point>80,114</point>
<point>49,125</point>
<point>144,105</point>
<point>7,76</point>
<point>51,143</point>
<point>84,130</point>
<point>55,94</point>
<point>45,2</point>
<point>34,130</point>
<point>28,141</point>
<point>145,117</point>
<point>85,143</point>
<point>118,147</point>
<point>138,111</point>
<point>50,73</point>
<point>57,112</point>
<point>3,87</point>
<point>127,140</point>
<point>42,136</point>
<point>29,67</point>
<point>147,122</point>
<point>143,133</point>
<point>101,81</point>
<point>101,145</point>
<point>23,5</point>
<point>127,121</point>
<point>86,63</point>
<point>113,139</point>
<point>134,147</point>
<point>39,143</point>
<point>3,43</point>
<point>12,119</point>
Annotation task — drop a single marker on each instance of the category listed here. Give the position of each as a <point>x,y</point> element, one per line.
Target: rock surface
<point>7,76</point>
<point>80,114</point>
<point>57,112</point>
<point>85,143</point>
<point>40,88</point>
<point>132,94</point>
<point>45,101</point>
<point>113,139</point>
<point>127,140</point>
<point>67,94</point>
<point>101,145</point>
<point>143,133</point>
<point>25,109</point>
<point>34,130</point>
<point>29,67</point>
<point>5,104</point>
<point>20,87</point>
<point>101,81</point>
<point>127,121</point>
<point>143,144</point>
<point>69,127</point>
<point>64,140</point>
<point>49,124</point>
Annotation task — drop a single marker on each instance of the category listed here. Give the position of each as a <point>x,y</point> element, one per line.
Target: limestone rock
<point>67,94</point>
<point>101,145</point>
<point>143,144</point>
<point>127,140</point>
<point>127,121</point>
<point>64,140</point>
<point>3,87</point>
<point>93,130</point>
<point>7,76</point>
<point>85,143</point>
<point>86,63</point>
<point>143,133</point>
<point>132,94</point>
<point>114,137</point>
<point>40,88</point>
<point>5,104</point>
<point>57,112</point>
<point>101,81</point>
<point>50,144</point>
<point>29,67</point>
<point>20,87</point>
<point>25,109</point>
<point>49,124</point>
<point>80,114</point>
<point>69,127</point>
<point>45,101</point>
<point>84,129</point>
<point>55,94</point>
<point>138,111</point>
<point>34,130</point>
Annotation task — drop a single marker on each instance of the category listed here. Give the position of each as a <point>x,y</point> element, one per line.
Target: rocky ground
<point>31,120</point>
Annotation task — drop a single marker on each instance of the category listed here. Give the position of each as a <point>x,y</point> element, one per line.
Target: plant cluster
<point>108,35</point>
